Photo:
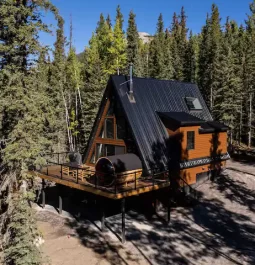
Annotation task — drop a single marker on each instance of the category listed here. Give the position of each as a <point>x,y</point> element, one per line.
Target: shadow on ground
<point>204,233</point>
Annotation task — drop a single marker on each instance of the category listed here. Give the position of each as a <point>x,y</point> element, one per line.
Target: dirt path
<point>218,230</point>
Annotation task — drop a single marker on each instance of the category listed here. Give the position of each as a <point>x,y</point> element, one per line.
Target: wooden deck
<point>55,174</point>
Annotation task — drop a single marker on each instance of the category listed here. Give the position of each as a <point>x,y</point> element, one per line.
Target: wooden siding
<point>206,145</point>
<point>190,174</point>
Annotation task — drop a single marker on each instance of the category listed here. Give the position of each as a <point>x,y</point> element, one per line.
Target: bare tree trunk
<point>241,120</point>
<point>118,69</point>
<point>83,120</point>
<point>67,123</point>
<point>250,120</point>
<point>79,94</point>
<point>147,64</point>
<point>211,98</point>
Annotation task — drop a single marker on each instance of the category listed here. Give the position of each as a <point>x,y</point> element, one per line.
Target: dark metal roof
<point>151,96</point>
<point>213,126</point>
<point>181,118</point>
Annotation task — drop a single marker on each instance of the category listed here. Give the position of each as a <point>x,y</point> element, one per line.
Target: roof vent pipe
<point>131,91</point>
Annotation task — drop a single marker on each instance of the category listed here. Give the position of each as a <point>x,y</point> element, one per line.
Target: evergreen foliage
<point>54,103</point>
<point>56,89</point>
<point>94,83</point>
<point>117,50</point>
<point>133,45</point>
<point>156,58</point>
<point>119,17</point>
<point>26,119</point>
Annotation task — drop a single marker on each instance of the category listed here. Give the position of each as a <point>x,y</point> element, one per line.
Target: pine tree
<point>156,52</point>
<point>191,59</point>
<point>56,90</point>
<point>72,89</point>
<point>144,58</point>
<point>104,40</point>
<point>214,54</point>
<point>108,21</point>
<point>210,57</point>
<point>182,43</point>
<point>227,100</point>
<point>168,59</point>
<point>119,17</point>
<point>203,61</point>
<point>24,122</point>
<point>175,32</point>
<point>133,44</point>
<point>117,51</point>
<point>94,84</point>
<point>249,77</point>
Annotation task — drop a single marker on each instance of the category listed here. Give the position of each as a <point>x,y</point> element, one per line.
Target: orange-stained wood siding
<point>189,174</point>
<point>205,144</point>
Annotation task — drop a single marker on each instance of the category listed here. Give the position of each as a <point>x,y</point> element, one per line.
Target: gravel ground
<point>220,229</point>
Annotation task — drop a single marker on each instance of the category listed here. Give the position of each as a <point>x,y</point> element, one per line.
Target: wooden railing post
<point>61,171</point>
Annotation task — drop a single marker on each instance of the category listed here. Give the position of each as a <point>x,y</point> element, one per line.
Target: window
<point>93,158</point>
<point>190,140</point>
<point>101,135</point>
<point>109,130</point>
<point>121,128</point>
<point>193,103</point>
<point>108,150</point>
<point>111,108</point>
<point>100,151</point>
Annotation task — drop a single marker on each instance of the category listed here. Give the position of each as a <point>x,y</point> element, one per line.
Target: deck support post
<point>102,215</point>
<point>168,208</point>
<point>123,234</point>
<point>60,202</point>
<point>43,193</point>
<point>155,202</point>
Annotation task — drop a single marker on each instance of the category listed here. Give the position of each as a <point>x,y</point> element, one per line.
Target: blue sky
<point>85,14</point>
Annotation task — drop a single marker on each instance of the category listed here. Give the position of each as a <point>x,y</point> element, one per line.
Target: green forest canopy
<point>50,104</point>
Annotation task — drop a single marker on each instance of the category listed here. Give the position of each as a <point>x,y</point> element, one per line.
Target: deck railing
<point>57,166</point>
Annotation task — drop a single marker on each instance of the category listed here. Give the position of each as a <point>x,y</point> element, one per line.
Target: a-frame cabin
<point>165,123</point>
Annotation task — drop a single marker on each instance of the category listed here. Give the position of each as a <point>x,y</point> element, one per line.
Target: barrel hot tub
<point>119,169</point>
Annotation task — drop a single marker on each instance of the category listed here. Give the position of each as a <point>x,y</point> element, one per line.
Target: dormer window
<point>193,103</point>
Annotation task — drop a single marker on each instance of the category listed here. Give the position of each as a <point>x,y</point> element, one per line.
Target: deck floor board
<point>53,173</point>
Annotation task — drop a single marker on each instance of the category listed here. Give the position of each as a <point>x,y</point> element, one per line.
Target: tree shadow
<point>196,235</point>
<point>209,232</point>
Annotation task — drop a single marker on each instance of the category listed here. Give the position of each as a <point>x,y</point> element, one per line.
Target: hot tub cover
<point>124,162</point>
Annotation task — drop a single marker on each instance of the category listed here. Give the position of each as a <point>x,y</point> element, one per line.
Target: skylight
<point>193,103</point>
